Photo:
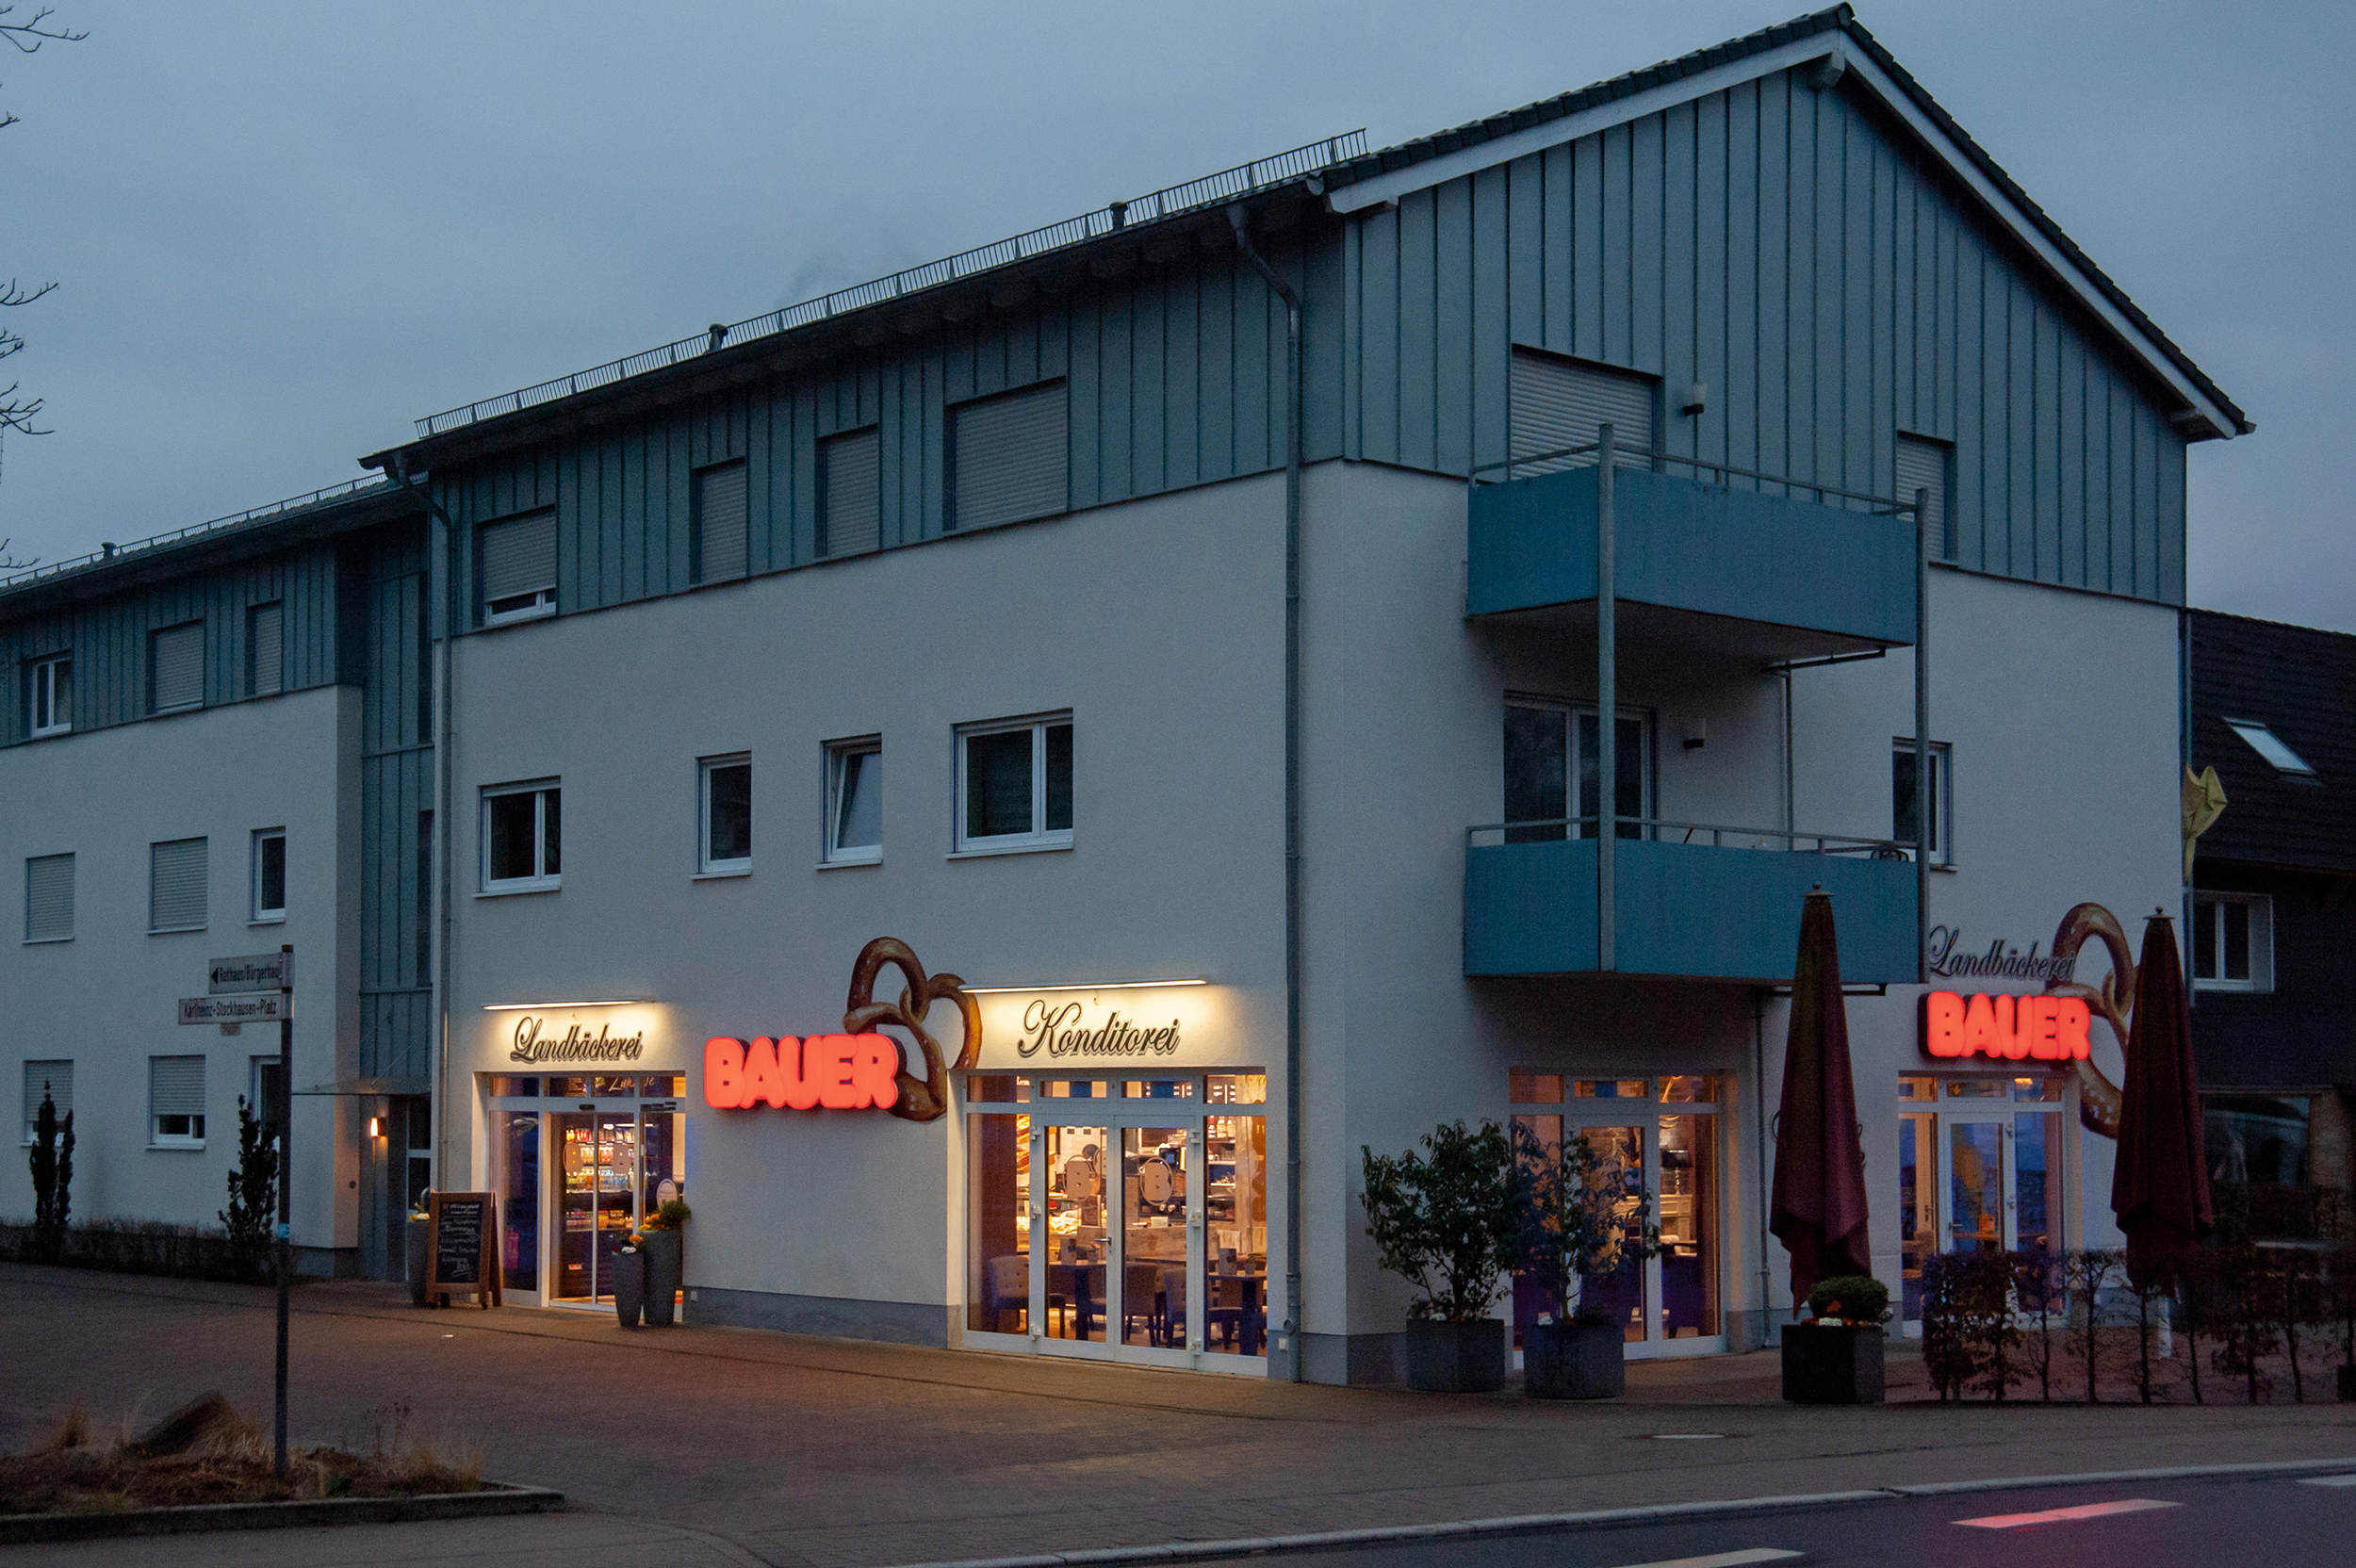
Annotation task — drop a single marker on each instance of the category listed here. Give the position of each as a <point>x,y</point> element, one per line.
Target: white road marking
<point>1725,1559</point>
<point>1682,1437</point>
<point>2326,1481</point>
<point>2065,1515</point>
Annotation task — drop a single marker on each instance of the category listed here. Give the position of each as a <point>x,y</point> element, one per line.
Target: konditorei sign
<point>2006,1028</point>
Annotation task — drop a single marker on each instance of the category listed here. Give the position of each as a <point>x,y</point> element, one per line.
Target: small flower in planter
<point>632,1242</point>
<point>670,1216</point>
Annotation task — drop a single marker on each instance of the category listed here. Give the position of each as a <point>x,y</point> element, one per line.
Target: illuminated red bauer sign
<point>836,1072</point>
<point>2006,1028</point>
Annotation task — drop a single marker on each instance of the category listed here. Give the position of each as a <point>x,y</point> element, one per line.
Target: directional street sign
<point>260,1007</point>
<point>258,971</point>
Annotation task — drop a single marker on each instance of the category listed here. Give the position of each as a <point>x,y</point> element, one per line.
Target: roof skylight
<point>2267,744</point>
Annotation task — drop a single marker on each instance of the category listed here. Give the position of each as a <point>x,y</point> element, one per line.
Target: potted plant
<point>629,1281</point>
<point>1585,1214</point>
<point>1835,1357</point>
<point>1449,1225</point>
<point>413,1239</point>
<point>663,1249</point>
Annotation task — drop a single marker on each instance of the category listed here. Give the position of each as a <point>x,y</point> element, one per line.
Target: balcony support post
<point>1923,736</point>
<point>1607,710</point>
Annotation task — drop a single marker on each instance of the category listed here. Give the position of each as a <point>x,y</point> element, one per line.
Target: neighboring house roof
<point>2300,683</point>
<point>1826,35</point>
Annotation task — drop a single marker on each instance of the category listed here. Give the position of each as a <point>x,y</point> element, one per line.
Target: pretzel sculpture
<point>924,1099</point>
<point>2113,1002</point>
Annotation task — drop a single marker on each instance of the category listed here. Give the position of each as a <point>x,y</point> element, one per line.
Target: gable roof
<point>1835,38</point>
<point>2298,682</point>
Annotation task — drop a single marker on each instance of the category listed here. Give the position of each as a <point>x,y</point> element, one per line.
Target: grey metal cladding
<point>176,884</point>
<point>49,898</point>
<point>175,664</point>
<point>1010,458</point>
<point>719,522</point>
<point>175,1086</point>
<point>1557,403</point>
<point>1923,466</point>
<point>265,656</point>
<point>517,556</point>
<point>850,492</point>
<point>396,780</point>
<point>1770,242</point>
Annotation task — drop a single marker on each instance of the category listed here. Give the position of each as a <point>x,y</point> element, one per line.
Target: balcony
<point>1689,901</point>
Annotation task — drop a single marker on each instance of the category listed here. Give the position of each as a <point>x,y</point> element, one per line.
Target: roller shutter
<point>266,650</point>
<point>176,667</point>
<point>1011,457</point>
<point>53,1079</point>
<point>851,470</point>
<point>721,516</point>
<point>1923,466</point>
<point>175,1086</point>
<point>49,898</point>
<point>1557,403</point>
<point>516,561</point>
<point>177,886</point>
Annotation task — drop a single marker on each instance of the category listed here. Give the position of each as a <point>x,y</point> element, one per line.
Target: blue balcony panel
<point>1682,545</point>
<point>1689,910</point>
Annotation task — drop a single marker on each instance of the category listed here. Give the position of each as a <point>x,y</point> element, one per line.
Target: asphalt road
<point>2274,1522</point>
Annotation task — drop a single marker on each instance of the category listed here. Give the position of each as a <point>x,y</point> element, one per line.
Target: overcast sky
<point>282,232</point>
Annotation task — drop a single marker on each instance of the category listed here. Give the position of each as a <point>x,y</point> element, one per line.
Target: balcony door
<point>1553,771</point>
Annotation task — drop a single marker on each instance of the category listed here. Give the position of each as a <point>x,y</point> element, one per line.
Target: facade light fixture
<point>552,1006</point>
<point>1102,985</point>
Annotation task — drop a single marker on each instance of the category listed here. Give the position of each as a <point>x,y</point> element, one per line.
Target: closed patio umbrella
<point>2160,1182</point>
<point>1818,1208</point>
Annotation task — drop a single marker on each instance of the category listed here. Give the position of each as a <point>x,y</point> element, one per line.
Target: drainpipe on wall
<point>1241,221</point>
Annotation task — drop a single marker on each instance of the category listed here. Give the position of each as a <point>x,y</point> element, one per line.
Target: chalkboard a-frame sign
<point>461,1248</point>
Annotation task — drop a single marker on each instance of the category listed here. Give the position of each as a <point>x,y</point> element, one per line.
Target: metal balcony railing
<point>1243,180</point>
<point>109,553</point>
<point>1665,830</point>
<point>1887,506</point>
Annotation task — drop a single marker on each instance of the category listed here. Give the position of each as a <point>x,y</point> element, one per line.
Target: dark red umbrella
<point>2160,1183</point>
<point>1819,1210</point>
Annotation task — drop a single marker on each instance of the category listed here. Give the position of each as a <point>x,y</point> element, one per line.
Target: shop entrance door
<point>1980,1168</point>
<point>597,1200</point>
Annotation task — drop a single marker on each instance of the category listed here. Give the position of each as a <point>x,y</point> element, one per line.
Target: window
<point>1560,402</point>
<point>175,668</point>
<point>2256,1137</point>
<point>1923,466</point>
<point>854,802</point>
<point>269,876</point>
<point>515,568</point>
<point>1009,458</point>
<point>2233,941</point>
<point>1901,798</point>
<point>49,701</point>
<point>265,649</point>
<point>52,1080</point>
<point>721,511</point>
<point>176,1100</point>
<point>49,898</point>
<point>177,886</point>
<point>261,1094</point>
<point>725,807</point>
<point>850,492</point>
<point>2267,744</point>
<point>522,837</point>
<point>1014,785</point>
<point>1552,765</point>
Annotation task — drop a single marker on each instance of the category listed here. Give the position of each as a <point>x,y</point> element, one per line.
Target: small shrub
<point>249,1221</point>
<point>669,1216</point>
<point>1449,1225</point>
<point>1854,1298</point>
<point>52,1161</point>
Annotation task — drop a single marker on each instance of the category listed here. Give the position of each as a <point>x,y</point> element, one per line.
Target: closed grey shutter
<point>1013,457</point>
<point>175,1086</point>
<point>176,666</point>
<point>1923,466</point>
<point>266,649</point>
<point>518,557</point>
<point>853,470</point>
<point>176,890</point>
<point>1558,404</point>
<point>721,508</point>
<point>53,1079</point>
<point>49,898</point>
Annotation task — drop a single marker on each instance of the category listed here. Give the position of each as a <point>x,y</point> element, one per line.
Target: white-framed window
<point>1901,801</point>
<point>854,828</point>
<point>49,898</point>
<point>522,837</point>
<point>261,1092</point>
<point>265,649</point>
<point>52,1079</point>
<point>719,523</point>
<point>1553,762</point>
<point>515,568</point>
<point>1014,784</point>
<point>724,815</point>
<point>175,668</point>
<point>269,876</point>
<point>176,1102</point>
<point>178,885</point>
<point>49,699</point>
<point>2267,744</point>
<point>2233,941</point>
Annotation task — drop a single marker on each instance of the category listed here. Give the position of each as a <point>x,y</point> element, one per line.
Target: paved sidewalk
<point>718,1446</point>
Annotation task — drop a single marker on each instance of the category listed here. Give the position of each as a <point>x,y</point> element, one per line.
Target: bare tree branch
<point>30,35</point>
<point>17,414</point>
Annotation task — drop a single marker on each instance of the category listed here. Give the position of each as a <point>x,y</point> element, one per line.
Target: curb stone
<point>18,1529</point>
<point>1543,1524</point>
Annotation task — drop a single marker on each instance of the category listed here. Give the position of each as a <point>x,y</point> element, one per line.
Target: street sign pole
<point>285,1110</point>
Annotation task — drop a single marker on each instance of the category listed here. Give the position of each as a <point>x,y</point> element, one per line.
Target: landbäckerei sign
<point>1998,961</point>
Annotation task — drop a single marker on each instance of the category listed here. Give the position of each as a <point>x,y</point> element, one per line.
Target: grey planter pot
<point>415,1244</point>
<point>1455,1358</point>
<point>630,1287</point>
<point>1832,1365</point>
<point>2347,1385</point>
<point>1574,1361</point>
<point>665,1253</point>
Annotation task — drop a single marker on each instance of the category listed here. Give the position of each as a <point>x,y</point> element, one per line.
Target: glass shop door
<point>1117,1270</point>
<point>598,1166</point>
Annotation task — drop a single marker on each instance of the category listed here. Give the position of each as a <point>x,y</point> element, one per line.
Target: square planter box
<point>1574,1361</point>
<point>1832,1365</point>
<point>1456,1358</point>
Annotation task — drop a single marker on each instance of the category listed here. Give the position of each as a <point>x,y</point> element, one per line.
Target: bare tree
<point>17,413</point>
